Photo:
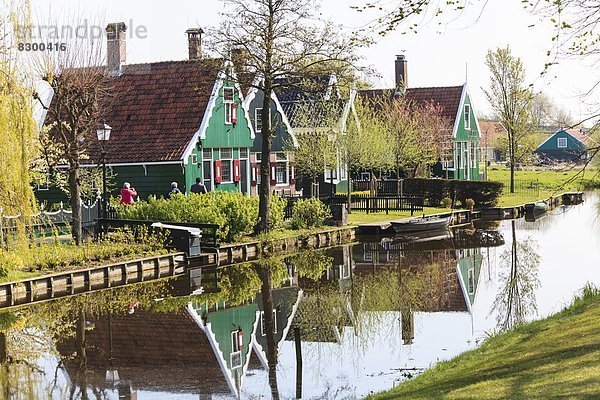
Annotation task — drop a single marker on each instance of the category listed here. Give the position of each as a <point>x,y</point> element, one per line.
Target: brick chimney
<point>195,43</point>
<point>401,68</point>
<point>116,54</point>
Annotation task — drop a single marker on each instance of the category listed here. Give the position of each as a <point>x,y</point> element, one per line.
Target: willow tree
<point>281,38</point>
<point>510,99</point>
<point>18,139</point>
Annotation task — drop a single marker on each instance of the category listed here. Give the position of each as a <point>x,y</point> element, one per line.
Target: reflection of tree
<point>264,271</point>
<point>516,298</point>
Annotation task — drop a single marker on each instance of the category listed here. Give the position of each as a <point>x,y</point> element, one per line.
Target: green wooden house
<point>565,145</point>
<point>468,269</point>
<point>174,121</point>
<point>283,174</point>
<point>461,158</point>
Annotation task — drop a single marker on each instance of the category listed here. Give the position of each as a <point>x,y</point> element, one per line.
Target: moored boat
<point>422,224</point>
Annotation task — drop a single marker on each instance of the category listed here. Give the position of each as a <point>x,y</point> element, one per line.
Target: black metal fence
<point>523,187</point>
<point>366,203</point>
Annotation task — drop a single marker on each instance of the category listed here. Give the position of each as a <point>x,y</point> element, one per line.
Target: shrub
<point>308,213</point>
<point>446,202</point>
<point>235,213</point>
<point>484,193</point>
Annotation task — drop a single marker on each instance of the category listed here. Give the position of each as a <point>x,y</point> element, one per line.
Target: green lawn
<point>550,182</point>
<point>361,217</point>
<point>558,357</point>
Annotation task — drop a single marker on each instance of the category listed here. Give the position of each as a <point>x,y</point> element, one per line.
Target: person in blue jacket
<point>172,190</point>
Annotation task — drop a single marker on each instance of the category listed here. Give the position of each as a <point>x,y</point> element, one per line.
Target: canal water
<point>333,324</point>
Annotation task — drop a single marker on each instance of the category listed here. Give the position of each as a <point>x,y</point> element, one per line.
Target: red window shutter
<point>273,169</point>
<point>236,170</point>
<point>218,177</point>
<point>234,107</point>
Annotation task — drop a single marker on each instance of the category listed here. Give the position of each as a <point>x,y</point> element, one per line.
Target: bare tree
<point>510,99</point>
<point>281,38</point>
<point>80,84</point>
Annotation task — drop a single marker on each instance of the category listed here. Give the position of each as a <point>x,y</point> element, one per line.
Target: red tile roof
<point>155,109</point>
<point>447,97</point>
<point>583,138</point>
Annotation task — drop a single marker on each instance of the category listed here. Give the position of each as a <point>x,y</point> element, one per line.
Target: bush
<point>308,213</point>
<point>446,202</point>
<point>235,213</point>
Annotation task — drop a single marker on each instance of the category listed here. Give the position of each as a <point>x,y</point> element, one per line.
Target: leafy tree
<point>281,39</point>
<point>510,99</point>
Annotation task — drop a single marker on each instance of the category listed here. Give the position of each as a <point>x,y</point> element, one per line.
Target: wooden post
<point>298,362</point>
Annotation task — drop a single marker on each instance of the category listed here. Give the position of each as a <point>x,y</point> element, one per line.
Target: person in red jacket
<point>127,194</point>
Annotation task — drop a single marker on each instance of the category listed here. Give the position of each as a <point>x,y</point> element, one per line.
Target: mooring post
<point>298,362</point>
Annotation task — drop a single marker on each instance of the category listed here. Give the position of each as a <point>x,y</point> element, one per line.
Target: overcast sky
<point>438,54</point>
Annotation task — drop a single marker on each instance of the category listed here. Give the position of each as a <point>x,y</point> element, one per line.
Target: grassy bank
<point>28,260</point>
<point>558,357</point>
<point>540,183</point>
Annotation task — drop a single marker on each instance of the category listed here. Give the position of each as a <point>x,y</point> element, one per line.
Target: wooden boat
<point>537,207</point>
<point>422,224</point>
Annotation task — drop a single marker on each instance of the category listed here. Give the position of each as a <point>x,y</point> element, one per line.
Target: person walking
<point>172,190</point>
<point>127,194</point>
<point>198,187</point>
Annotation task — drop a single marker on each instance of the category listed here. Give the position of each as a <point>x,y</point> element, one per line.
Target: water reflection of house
<point>468,268</point>
<point>198,350</point>
<point>285,304</point>
<point>230,332</point>
<point>151,352</point>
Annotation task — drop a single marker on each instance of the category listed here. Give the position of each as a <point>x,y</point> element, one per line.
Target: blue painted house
<point>565,145</point>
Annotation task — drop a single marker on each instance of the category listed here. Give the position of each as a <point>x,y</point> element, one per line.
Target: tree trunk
<point>511,150</point>
<point>268,319</point>
<point>349,204</point>
<point>75,205</point>
<point>264,200</point>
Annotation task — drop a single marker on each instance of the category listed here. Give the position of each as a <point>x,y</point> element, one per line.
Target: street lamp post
<point>103,133</point>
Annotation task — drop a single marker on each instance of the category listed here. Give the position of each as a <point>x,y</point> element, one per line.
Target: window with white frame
<point>226,165</point>
<point>281,169</point>
<point>263,328</point>
<point>228,101</point>
<point>194,158</point>
<point>448,157</point>
<point>44,183</point>
<point>467,115</point>
<point>244,152</point>
<point>207,168</point>
<point>562,142</point>
<point>473,155</point>
<point>258,119</point>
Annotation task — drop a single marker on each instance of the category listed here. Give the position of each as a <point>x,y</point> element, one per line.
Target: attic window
<point>258,119</point>
<point>467,116</point>
<point>562,143</point>
<point>230,106</point>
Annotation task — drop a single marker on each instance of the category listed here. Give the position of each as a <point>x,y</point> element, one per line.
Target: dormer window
<point>467,115</point>
<point>229,103</point>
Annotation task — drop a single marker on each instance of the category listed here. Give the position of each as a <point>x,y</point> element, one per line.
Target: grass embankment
<point>26,261</point>
<point>558,357</point>
<point>532,185</point>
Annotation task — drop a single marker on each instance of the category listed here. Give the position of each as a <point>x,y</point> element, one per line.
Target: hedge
<point>485,193</point>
